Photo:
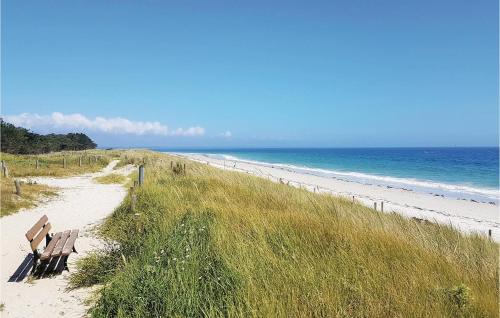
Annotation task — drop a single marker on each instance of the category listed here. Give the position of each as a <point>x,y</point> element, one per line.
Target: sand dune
<point>465,215</point>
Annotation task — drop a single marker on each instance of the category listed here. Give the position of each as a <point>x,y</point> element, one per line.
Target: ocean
<point>463,173</point>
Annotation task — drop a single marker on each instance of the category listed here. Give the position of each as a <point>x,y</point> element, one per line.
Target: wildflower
<point>199,278</point>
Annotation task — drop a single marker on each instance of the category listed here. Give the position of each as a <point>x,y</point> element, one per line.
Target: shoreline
<point>466,215</point>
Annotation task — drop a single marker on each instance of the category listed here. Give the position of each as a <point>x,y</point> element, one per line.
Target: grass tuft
<point>111,178</point>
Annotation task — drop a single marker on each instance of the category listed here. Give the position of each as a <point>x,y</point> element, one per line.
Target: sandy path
<point>81,204</point>
<point>465,215</point>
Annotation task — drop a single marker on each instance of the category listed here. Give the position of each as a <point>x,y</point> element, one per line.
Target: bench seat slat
<point>48,250</point>
<point>34,243</point>
<point>68,247</point>
<point>36,228</point>
<point>60,244</point>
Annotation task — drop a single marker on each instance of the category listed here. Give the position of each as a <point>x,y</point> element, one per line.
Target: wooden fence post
<point>37,164</point>
<point>352,199</point>
<point>489,233</point>
<point>382,206</point>
<point>80,161</point>
<point>5,170</point>
<point>375,205</point>
<point>18,187</point>
<point>64,161</point>
<point>141,175</point>
<point>171,165</point>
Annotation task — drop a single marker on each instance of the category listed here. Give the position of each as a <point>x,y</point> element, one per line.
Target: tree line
<point>18,140</point>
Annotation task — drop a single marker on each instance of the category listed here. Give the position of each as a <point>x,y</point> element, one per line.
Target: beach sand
<point>465,215</point>
<point>81,204</point>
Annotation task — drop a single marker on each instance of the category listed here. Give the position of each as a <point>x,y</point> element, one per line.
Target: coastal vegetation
<point>56,164</point>
<point>10,202</point>
<point>18,140</point>
<point>111,178</point>
<point>208,242</point>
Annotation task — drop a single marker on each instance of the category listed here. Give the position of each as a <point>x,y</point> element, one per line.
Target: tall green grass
<point>216,243</point>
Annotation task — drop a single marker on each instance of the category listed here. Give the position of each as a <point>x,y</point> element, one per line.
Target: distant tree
<point>18,140</point>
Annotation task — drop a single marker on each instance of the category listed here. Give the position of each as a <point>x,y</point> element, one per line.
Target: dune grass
<point>52,164</point>
<point>217,243</point>
<point>10,202</point>
<point>111,178</point>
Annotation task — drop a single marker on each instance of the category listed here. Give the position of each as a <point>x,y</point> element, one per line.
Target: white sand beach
<point>463,214</point>
<point>81,204</point>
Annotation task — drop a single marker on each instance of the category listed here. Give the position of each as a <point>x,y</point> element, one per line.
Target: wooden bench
<point>60,244</point>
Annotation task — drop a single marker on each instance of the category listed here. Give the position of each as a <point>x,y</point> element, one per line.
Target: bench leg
<point>66,263</point>
<point>47,239</point>
<point>35,261</point>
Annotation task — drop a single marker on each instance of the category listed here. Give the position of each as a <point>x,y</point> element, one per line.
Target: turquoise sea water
<point>472,173</point>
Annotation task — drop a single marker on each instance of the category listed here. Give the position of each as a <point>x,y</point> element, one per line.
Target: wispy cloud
<point>226,134</point>
<point>115,125</point>
<point>191,131</point>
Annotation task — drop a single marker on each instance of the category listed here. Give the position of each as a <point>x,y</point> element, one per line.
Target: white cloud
<point>226,134</point>
<point>116,125</point>
<point>191,131</point>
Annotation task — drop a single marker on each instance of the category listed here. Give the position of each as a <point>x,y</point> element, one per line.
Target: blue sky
<point>254,73</point>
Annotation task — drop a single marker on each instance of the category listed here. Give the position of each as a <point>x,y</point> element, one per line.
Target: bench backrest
<point>38,232</point>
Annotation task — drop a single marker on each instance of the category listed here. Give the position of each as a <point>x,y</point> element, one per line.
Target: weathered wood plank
<point>40,236</point>
<point>59,246</point>
<point>68,247</point>
<point>48,250</point>
<point>36,228</point>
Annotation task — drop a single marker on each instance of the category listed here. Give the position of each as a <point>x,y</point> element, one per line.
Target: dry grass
<point>111,178</point>
<point>53,164</point>
<point>31,193</point>
<point>217,243</point>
